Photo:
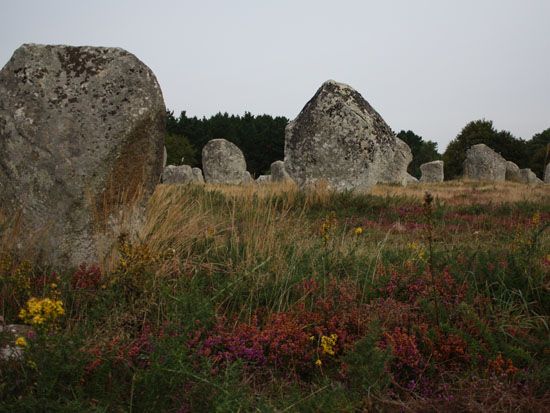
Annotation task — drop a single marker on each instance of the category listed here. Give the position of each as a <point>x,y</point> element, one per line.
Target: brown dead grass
<point>457,192</point>
<point>469,192</point>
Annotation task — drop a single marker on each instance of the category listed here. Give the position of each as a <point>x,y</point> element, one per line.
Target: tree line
<point>261,138</point>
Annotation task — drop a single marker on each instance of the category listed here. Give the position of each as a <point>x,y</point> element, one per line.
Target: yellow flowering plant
<point>42,312</point>
<point>21,342</point>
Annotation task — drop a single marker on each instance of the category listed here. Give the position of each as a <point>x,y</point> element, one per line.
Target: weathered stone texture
<point>547,174</point>
<point>177,174</point>
<point>340,138</point>
<point>529,177</point>
<point>512,172</point>
<point>394,168</point>
<point>81,134</point>
<point>432,172</point>
<point>197,175</point>
<point>484,164</point>
<point>263,179</point>
<point>223,162</point>
<point>247,178</point>
<point>278,172</point>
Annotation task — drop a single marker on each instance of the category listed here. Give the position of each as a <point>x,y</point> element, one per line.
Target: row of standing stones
<point>81,150</point>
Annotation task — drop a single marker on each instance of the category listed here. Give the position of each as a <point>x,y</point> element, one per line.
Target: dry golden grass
<point>468,192</point>
<point>246,220</point>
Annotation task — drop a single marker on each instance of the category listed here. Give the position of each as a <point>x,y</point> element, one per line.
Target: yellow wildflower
<point>21,342</point>
<point>328,343</point>
<point>358,230</point>
<point>41,311</point>
<point>319,363</point>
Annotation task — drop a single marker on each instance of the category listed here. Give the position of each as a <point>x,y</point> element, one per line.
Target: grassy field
<point>272,299</point>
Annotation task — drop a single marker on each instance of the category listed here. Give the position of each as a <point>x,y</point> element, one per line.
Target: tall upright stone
<point>340,138</point>
<point>81,138</point>
<point>484,164</point>
<point>547,174</point>
<point>432,172</point>
<point>223,163</point>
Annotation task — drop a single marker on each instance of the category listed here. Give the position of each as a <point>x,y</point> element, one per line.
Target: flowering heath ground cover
<point>273,299</point>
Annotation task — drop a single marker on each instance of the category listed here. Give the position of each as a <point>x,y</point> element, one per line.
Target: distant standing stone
<point>432,172</point>
<point>263,179</point>
<point>484,164</point>
<point>529,177</point>
<point>338,137</point>
<point>81,139</point>
<point>278,172</point>
<point>547,174</point>
<point>197,175</point>
<point>223,162</point>
<point>177,174</point>
<point>512,172</point>
<point>247,178</point>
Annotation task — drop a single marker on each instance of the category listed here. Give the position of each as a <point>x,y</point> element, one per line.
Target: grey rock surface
<point>338,137</point>
<point>164,158</point>
<point>547,174</point>
<point>177,174</point>
<point>394,168</point>
<point>512,172</point>
<point>432,172</point>
<point>263,179</point>
<point>81,138</point>
<point>529,177</point>
<point>223,162</point>
<point>247,178</point>
<point>278,172</point>
<point>197,175</point>
<point>484,164</point>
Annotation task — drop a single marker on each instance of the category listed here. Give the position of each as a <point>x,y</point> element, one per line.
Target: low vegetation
<point>272,299</point>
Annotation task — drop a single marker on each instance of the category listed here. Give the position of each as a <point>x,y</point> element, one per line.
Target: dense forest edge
<point>261,138</point>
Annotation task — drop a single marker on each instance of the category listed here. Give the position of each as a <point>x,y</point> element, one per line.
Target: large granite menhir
<point>484,164</point>
<point>81,138</point>
<point>340,138</point>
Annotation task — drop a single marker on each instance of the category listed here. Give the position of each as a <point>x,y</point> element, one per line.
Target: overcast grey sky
<point>426,65</point>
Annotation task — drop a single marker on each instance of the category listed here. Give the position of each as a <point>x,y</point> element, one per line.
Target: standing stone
<point>81,141</point>
<point>394,169</point>
<point>547,174</point>
<point>340,138</point>
<point>484,164</point>
<point>432,172</point>
<point>177,174</point>
<point>529,177</point>
<point>181,174</point>
<point>512,172</point>
<point>278,172</point>
<point>197,175</point>
<point>223,162</point>
<point>263,179</point>
<point>247,178</point>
